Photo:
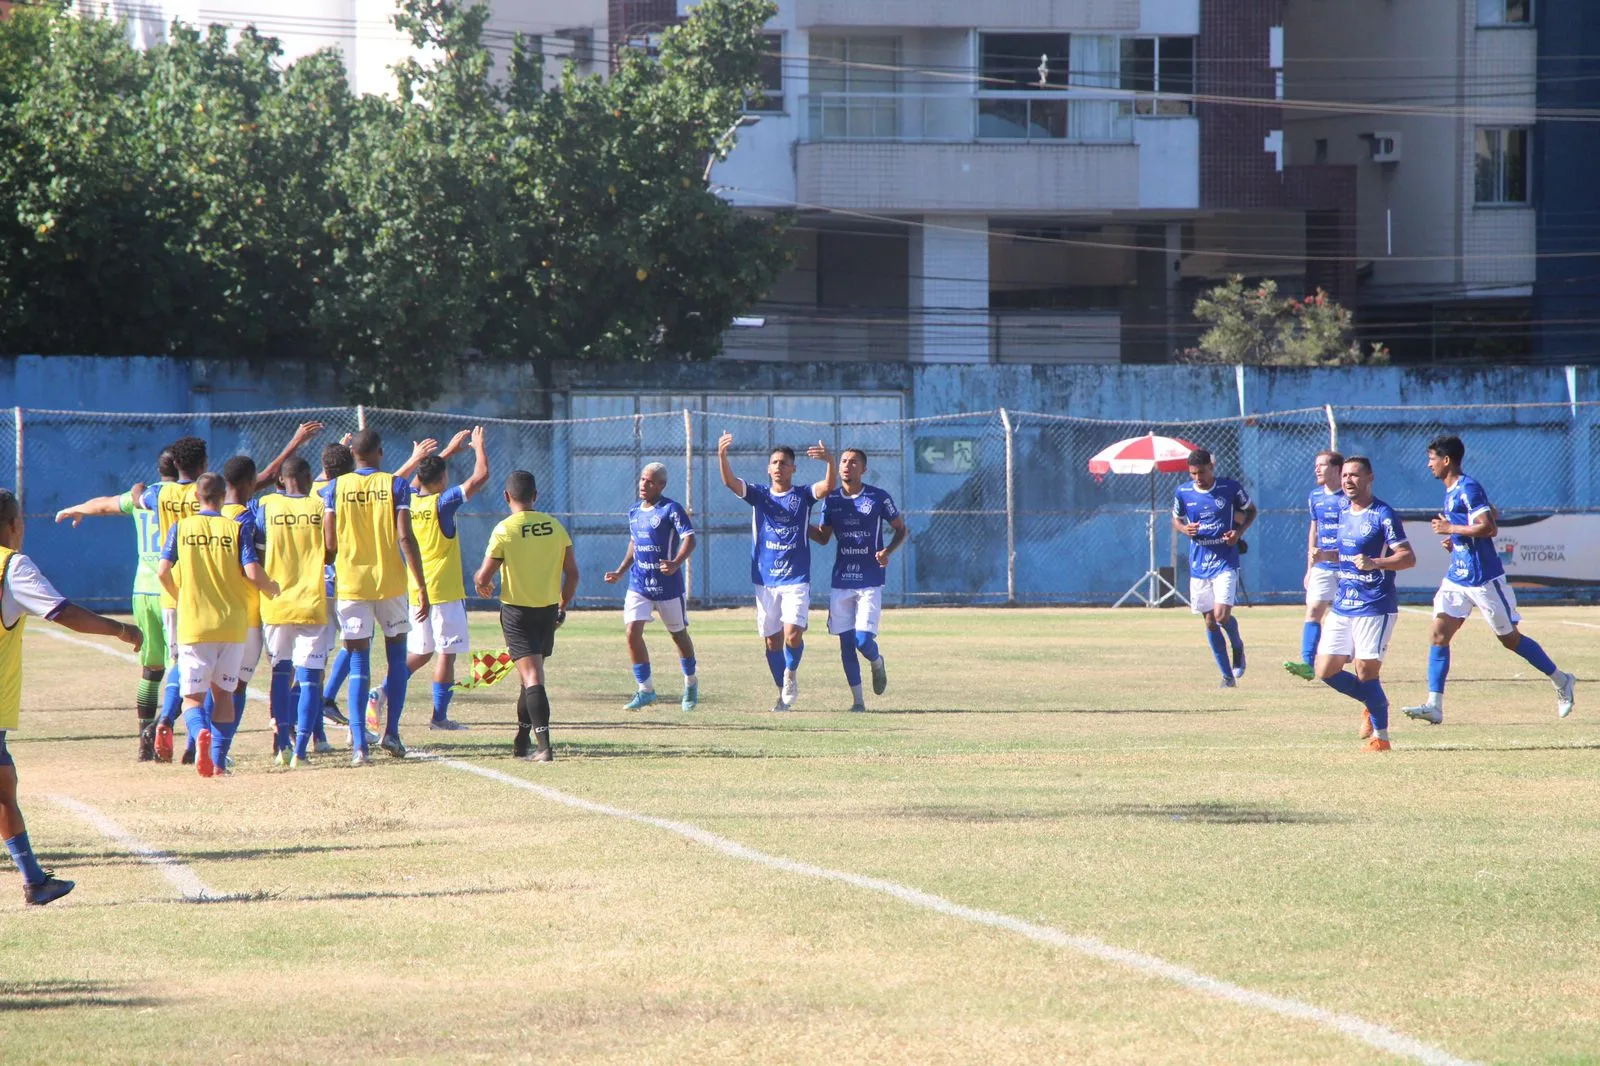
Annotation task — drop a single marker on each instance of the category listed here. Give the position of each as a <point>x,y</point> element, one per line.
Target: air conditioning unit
<point>1383,147</point>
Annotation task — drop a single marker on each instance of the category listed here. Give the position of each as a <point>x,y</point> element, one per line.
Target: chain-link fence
<point>1001,504</point>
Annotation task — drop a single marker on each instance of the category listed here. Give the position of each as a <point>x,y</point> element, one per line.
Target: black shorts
<point>528,630</point>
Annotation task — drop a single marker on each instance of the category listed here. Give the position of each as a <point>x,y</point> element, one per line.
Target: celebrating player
<point>780,556</point>
<point>170,501</point>
<point>1326,501</point>
<point>661,539</point>
<point>1476,578</point>
<point>240,474</point>
<point>1213,513</point>
<point>532,553</point>
<point>856,513</point>
<point>1372,547</point>
<point>24,591</point>
<point>336,461</point>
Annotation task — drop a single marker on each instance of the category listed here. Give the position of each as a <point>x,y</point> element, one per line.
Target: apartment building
<point>1021,180</point>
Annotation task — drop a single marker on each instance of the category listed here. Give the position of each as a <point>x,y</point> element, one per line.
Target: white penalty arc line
<point>1366,1032</point>
<point>182,878</point>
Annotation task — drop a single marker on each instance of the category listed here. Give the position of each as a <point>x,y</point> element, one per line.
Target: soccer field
<point>1143,868</point>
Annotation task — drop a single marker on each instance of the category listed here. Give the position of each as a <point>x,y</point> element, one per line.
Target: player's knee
<point>863,638</point>
<point>1511,639</point>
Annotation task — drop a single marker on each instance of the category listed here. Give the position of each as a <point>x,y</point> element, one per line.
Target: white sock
<point>855,691</point>
<point>688,679</point>
<point>1436,700</point>
<point>1383,734</point>
<point>788,676</point>
<point>647,686</point>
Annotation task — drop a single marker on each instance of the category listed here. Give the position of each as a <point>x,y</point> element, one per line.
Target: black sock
<point>524,722</point>
<point>539,707</point>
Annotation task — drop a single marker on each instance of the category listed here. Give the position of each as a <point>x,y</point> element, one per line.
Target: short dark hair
<point>209,487</point>
<point>366,443</point>
<point>190,455</point>
<point>1450,447</point>
<point>166,465</point>
<point>296,469</point>
<point>240,472</point>
<point>1200,457</point>
<point>521,487</point>
<point>1360,460</point>
<point>858,451</point>
<point>431,470</point>
<point>10,507</point>
<point>788,452</point>
<point>1338,460</point>
<point>337,460</point>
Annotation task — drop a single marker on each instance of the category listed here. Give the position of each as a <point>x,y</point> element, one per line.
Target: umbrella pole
<point>1152,589</point>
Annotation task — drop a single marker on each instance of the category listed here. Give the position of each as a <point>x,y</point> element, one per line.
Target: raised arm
<point>480,467</point>
<point>267,476</point>
<point>735,485</point>
<point>820,489</point>
<point>97,507</point>
<point>420,450</point>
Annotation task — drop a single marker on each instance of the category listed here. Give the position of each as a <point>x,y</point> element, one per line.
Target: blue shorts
<point>5,756</point>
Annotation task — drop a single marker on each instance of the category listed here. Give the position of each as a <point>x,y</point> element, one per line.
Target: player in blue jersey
<point>661,539</point>
<point>856,513</point>
<point>1326,502</point>
<point>1372,546</point>
<point>780,556</point>
<point>1213,513</point>
<point>1476,578</point>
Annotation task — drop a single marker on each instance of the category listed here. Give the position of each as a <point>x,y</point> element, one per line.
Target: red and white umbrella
<point>1148,454</point>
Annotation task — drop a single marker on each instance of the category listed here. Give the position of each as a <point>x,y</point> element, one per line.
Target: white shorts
<point>305,646</point>
<point>169,625</point>
<point>333,623</point>
<point>638,608</point>
<point>200,666</point>
<point>1363,636</point>
<point>250,658</point>
<point>857,609</point>
<point>1206,592</point>
<point>1495,599</point>
<point>782,605</point>
<point>444,632</point>
<point>358,618</point>
<point>1322,586</point>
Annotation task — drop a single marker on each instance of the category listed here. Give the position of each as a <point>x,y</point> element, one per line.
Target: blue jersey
<point>1370,532</point>
<point>1326,507</point>
<point>1215,510</point>
<point>1473,560</point>
<point>780,554</point>
<point>857,523</point>
<point>658,531</point>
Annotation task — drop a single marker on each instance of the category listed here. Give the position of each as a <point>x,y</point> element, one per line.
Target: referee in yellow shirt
<point>532,552</point>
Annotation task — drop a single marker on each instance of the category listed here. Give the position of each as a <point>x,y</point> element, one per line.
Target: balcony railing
<point>1081,118</point>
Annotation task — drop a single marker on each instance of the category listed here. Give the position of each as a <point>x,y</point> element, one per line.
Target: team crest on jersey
<point>655,521</point>
<point>864,506</point>
<point>791,503</point>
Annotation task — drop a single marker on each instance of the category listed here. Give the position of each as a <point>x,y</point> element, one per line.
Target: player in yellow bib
<point>215,560</point>
<point>532,553</point>
<point>367,530</point>
<point>240,475</point>
<point>24,591</point>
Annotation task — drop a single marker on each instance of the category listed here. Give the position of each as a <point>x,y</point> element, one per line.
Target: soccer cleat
<point>377,704</point>
<point>1565,685</point>
<point>42,892</point>
<point>281,759</point>
<point>163,748</point>
<point>791,689</point>
<point>641,699</point>
<point>330,711</point>
<point>1376,744</point>
<point>449,725</point>
<point>1301,670</point>
<point>1238,661</point>
<point>391,744</point>
<point>781,706</point>
<point>324,748</point>
<point>188,756</point>
<point>147,743</point>
<point>858,707</point>
<point>295,762</point>
<point>1428,712</point>
<point>542,755</point>
<point>1366,725</point>
<point>880,676</point>
<point>359,757</point>
<point>1228,682</point>
<point>691,695</point>
<point>202,754</point>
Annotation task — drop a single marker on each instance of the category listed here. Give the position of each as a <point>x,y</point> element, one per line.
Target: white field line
<point>56,633</point>
<point>183,879</point>
<point>1366,1032</point>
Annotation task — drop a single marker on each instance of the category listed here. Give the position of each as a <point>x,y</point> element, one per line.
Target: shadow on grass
<point>1055,710</point>
<point>67,994</point>
<point>600,750</point>
<point>122,858</point>
<point>322,897</point>
<point>1219,813</point>
<point>1586,745</point>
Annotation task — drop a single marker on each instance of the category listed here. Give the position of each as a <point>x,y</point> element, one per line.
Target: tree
<point>1256,327</point>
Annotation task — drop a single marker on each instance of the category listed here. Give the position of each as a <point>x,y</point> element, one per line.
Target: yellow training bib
<point>211,592</point>
<point>368,564</point>
<point>441,555</point>
<point>294,554</point>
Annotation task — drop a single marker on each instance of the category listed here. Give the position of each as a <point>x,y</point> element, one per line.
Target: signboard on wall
<point>1543,551</point>
<point>946,455</point>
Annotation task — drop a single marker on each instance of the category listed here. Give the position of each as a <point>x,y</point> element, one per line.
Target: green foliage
<point>1256,327</point>
<point>203,198</point>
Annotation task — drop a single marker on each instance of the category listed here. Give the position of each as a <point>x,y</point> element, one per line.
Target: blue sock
<point>171,698</point>
<point>1438,667</point>
<point>687,665</point>
<point>1346,683</point>
<point>208,708</point>
<point>847,655</point>
<point>791,656</point>
<point>1310,637</point>
<point>309,714</point>
<point>238,706</point>
<point>360,681</point>
<point>641,674</point>
<point>1377,702</point>
<point>22,854</point>
<point>1529,649</point>
<point>336,676</point>
<point>1231,627</point>
<point>775,664</point>
<point>282,702</point>
<point>221,741</point>
<point>442,695</point>
<point>194,720</point>
<point>1219,648</point>
<point>395,684</point>
<point>868,644</point>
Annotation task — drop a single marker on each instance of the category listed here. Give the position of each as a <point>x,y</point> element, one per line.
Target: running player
<point>1326,502</point>
<point>780,556</point>
<point>367,528</point>
<point>24,591</point>
<point>216,558</point>
<point>1372,547</point>
<point>532,552</point>
<point>1476,578</point>
<point>856,513</point>
<point>1213,513</point>
<point>660,540</point>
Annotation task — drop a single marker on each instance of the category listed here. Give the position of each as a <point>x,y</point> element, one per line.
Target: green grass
<point>1077,769</point>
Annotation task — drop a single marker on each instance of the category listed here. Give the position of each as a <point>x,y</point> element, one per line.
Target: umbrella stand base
<point>1152,590</point>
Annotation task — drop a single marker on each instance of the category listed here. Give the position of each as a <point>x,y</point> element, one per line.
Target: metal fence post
<point>1011,510</point>
<point>361,416</point>
<point>1333,427</point>
<point>16,424</point>
<point>688,495</point>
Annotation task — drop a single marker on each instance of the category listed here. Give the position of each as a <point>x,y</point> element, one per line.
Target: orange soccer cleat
<point>1366,724</point>
<point>202,754</point>
<point>1377,744</point>
<point>163,743</point>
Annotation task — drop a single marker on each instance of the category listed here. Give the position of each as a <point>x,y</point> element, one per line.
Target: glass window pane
<point>1002,118</point>
<point>1519,11</point>
<point>1516,166</point>
<point>827,69</point>
<point>1177,65</point>
<point>1139,64</point>
<point>1047,119</point>
<point>1009,62</point>
<point>1488,151</point>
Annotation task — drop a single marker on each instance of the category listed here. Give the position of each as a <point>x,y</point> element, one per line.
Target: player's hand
<point>1440,524</point>
<point>1364,563</point>
<point>1230,537</point>
<point>304,432</point>
<point>272,591</point>
<point>561,616</point>
<point>456,442</point>
<point>422,606</point>
<point>1448,544</point>
<point>670,567</point>
<point>724,442</point>
<point>882,555</point>
<point>1192,528</point>
<point>612,576</point>
<point>131,635</point>
<point>484,589</point>
<point>475,438</point>
<point>70,512</point>
<point>421,449</point>
<point>819,450</point>
<point>346,439</point>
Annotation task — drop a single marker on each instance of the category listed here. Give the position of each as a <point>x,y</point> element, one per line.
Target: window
<point>1502,166</point>
<point>771,96</point>
<point>1160,65</point>
<point>1011,62</point>
<point>1505,12</point>
<point>1319,149</point>
<point>853,88</point>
